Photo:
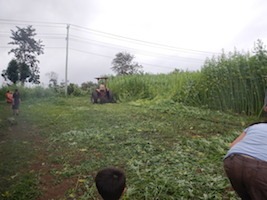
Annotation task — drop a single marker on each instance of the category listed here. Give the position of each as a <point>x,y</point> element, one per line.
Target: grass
<point>168,151</point>
<point>16,153</point>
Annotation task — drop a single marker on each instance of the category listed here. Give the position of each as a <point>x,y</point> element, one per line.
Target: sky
<point>162,35</point>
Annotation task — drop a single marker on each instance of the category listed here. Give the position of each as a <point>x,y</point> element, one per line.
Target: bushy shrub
<point>74,90</point>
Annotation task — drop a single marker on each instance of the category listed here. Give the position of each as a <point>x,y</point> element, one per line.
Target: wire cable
<point>141,52</point>
<point>140,41</point>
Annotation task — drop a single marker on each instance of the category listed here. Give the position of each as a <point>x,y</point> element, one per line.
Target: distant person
<point>102,90</point>
<point>110,183</point>
<point>9,97</point>
<point>245,163</point>
<point>16,102</point>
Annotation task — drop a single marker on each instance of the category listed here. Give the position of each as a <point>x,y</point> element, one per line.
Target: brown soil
<point>51,187</point>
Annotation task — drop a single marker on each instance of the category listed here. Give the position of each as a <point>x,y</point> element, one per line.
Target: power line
<point>140,52</point>
<point>114,36</point>
<point>87,52</point>
<point>52,34</point>
<point>109,57</point>
<point>105,35</point>
<point>55,47</point>
<point>109,45</point>
<point>57,36</point>
<point>140,41</point>
<point>13,21</point>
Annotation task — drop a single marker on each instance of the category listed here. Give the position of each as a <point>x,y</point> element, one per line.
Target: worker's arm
<point>238,139</point>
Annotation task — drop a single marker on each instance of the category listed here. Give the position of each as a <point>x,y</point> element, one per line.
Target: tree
<point>73,89</point>
<point>26,52</point>
<point>24,72</point>
<point>123,64</point>
<point>88,85</point>
<point>16,72</point>
<point>53,78</point>
<point>12,72</point>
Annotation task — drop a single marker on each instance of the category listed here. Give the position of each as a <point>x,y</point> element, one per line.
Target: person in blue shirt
<point>16,102</point>
<point>245,163</point>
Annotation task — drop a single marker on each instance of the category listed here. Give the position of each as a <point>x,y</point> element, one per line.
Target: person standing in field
<point>110,183</point>
<point>16,102</point>
<point>245,163</point>
<point>9,97</point>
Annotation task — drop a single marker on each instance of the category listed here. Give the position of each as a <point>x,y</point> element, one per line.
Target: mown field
<point>168,151</point>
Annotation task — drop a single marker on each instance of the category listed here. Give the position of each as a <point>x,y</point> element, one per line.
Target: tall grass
<point>230,82</point>
<point>175,86</point>
<point>235,82</point>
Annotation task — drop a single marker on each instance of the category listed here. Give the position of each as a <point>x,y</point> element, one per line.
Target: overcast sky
<point>161,34</point>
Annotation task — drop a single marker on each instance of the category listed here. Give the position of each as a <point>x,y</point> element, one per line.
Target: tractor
<point>102,94</point>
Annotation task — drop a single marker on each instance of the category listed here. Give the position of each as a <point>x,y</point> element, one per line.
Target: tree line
<point>24,66</point>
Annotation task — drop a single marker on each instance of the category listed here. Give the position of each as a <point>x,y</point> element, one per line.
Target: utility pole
<point>67,54</point>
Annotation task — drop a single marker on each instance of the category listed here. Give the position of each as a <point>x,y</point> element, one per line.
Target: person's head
<point>102,87</point>
<point>110,183</point>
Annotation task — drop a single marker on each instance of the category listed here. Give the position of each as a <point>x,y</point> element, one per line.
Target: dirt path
<point>36,157</point>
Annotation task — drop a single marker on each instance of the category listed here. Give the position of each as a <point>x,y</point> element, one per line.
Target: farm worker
<point>245,163</point>
<point>16,102</point>
<point>110,183</point>
<point>102,88</point>
<point>9,97</point>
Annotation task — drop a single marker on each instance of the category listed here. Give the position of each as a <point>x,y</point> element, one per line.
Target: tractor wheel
<point>94,97</point>
<point>111,97</point>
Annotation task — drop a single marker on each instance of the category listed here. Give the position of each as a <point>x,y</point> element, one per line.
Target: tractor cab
<point>102,94</point>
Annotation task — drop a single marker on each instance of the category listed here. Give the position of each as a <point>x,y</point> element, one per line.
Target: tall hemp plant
<point>235,81</point>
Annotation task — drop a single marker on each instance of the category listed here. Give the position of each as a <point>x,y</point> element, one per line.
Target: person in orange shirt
<point>9,97</point>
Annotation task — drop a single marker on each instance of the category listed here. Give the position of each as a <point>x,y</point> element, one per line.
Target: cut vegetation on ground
<point>168,151</point>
